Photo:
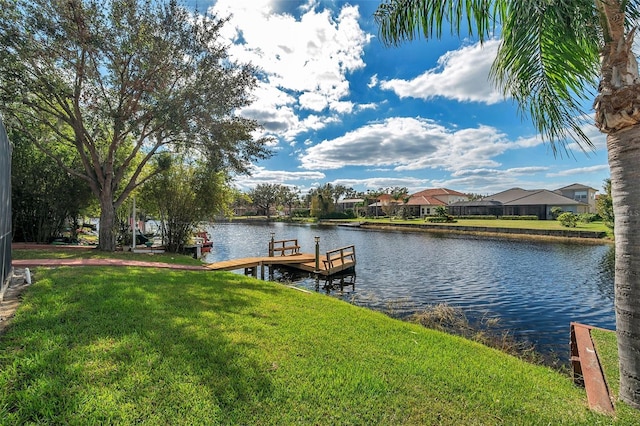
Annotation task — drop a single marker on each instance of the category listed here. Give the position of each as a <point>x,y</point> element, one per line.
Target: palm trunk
<point>624,161</point>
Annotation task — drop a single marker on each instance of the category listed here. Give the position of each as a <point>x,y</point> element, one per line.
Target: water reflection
<point>339,285</point>
<point>536,288</point>
<point>336,285</point>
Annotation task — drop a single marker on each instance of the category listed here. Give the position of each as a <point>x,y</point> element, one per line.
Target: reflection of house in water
<point>337,283</point>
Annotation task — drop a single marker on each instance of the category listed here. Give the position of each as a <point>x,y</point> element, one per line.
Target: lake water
<point>535,288</point>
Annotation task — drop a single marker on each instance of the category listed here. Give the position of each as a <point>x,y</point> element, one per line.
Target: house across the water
<point>575,198</point>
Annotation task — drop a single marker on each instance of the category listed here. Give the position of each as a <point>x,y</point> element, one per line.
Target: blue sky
<point>345,109</point>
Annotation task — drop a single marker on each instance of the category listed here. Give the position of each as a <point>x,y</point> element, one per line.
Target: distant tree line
<point>321,202</point>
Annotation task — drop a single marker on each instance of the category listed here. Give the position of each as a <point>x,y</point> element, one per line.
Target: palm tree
<point>555,55</point>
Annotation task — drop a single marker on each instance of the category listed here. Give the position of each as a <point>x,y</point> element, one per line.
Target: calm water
<point>535,288</point>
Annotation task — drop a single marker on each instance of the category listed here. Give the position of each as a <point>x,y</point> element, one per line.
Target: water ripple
<point>535,288</point>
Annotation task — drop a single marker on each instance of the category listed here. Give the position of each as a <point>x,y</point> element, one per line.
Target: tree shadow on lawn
<point>133,345</point>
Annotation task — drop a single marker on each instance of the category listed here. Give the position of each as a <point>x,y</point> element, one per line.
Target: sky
<point>342,108</point>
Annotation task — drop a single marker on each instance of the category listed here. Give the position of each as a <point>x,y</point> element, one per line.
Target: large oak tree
<point>555,55</point>
<point>129,79</point>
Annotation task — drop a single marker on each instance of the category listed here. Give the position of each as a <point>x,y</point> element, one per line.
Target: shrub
<point>568,219</point>
<point>526,217</point>
<point>441,211</point>
<point>337,215</point>
<point>588,217</point>
<point>301,213</point>
<point>478,216</point>
<point>555,212</point>
<point>441,219</point>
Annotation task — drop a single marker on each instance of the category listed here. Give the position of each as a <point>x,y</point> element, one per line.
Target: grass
<point>501,223</point>
<point>96,345</point>
<point>597,226</point>
<point>62,252</point>
<point>606,345</point>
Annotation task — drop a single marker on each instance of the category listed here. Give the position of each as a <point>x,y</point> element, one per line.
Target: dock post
<point>271,244</point>
<point>317,239</point>
<point>262,271</point>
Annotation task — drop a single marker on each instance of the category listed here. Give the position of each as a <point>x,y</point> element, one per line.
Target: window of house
<point>580,195</point>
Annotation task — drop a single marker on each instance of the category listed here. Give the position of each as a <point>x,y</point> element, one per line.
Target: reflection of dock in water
<point>337,283</point>
<point>287,253</point>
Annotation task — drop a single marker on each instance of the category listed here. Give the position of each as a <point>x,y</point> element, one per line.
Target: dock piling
<point>317,240</point>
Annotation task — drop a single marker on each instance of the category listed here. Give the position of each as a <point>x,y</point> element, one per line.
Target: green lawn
<point>111,345</point>
<point>500,223</point>
<point>606,345</point>
<point>62,252</point>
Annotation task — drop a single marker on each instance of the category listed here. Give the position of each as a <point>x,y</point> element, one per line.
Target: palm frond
<point>548,62</point>
<point>406,20</point>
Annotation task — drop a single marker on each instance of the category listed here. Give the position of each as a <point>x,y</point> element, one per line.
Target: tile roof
<point>523,197</point>
<point>425,201</point>
<point>434,192</point>
<point>575,186</point>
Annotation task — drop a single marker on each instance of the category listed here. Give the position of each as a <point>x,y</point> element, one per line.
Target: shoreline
<point>518,234</point>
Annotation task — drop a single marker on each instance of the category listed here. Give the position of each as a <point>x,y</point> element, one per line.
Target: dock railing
<point>284,247</point>
<point>337,258</point>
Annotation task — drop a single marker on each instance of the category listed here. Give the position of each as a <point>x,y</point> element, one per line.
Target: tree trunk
<point>624,162</point>
<point>107,234</point>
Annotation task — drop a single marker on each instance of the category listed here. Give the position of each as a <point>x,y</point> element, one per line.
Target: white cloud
<point>581,171</point>
<point>363,107</point>
<point>406,143</point>
<point>462,75</point>
<point>305,61</point>
<point>597,138</point>
<point>413,184</point>
<point>373,81</point>
<point>290,178</point>
<point>515,171</point>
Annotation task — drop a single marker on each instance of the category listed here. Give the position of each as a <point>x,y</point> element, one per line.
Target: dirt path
<point>12,297</point>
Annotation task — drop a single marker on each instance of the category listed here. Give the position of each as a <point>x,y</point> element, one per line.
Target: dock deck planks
<point>333,262</point>
<point>302,261</point>
<point>252,262</point>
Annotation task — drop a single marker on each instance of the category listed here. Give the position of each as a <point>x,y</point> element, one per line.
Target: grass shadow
<point>115,346</point>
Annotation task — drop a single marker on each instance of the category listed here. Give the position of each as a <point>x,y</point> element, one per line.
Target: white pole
<point>133,225</point>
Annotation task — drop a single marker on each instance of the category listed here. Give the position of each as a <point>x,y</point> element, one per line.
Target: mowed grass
<point>106,345</point>
<point>62,252</point>
<point>606,345</point>
<point>597,226</point>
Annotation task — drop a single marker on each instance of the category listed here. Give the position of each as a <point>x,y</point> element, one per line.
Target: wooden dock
<point>287,253</point>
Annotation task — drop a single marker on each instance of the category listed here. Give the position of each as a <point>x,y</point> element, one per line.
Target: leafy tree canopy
<point>121,81</point>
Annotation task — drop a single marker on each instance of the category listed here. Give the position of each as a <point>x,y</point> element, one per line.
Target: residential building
<point>424,203</point>
<point>519,202</point>
<point>349,204</point>
<point>582,193</point>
